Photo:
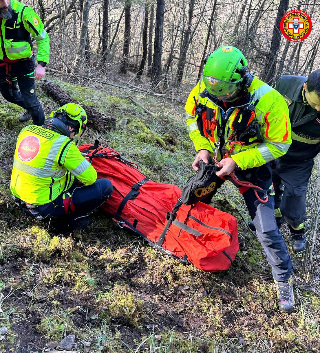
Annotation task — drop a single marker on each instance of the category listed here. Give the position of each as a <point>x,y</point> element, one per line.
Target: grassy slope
<point>113,291</point>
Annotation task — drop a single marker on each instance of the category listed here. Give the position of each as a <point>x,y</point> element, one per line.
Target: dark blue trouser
<point>74,204</point>
<point>263,218</point>
<point>21,88</point>
<point>290,180</point>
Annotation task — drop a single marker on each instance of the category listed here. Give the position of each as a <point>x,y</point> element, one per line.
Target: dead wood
<point>96,120</point>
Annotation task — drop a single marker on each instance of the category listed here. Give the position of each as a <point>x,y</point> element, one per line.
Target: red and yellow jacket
<point>217,125</point>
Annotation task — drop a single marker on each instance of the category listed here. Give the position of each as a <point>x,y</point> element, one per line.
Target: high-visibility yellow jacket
<point>45,165</point>
<point>16,34</point>
<point>270,111</point>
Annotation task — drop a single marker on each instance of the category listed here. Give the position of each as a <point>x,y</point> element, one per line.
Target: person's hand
<point>202,155</point>
<point>39,72</point>
<point>227,165</point>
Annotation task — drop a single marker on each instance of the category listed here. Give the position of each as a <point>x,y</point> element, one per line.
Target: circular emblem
<point>35,21</point>
<point>28,148</point>
<point>212,81</point>
<point>296,25</point>
<point>227,49</point>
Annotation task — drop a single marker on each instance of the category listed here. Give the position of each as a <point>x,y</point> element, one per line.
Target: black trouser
<point>69,207</point>
<point>290,180</point>
<point>17,86</point>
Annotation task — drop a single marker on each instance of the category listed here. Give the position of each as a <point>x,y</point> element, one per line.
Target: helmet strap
<point>247,78</point>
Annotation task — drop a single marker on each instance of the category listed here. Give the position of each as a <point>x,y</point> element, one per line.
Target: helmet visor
<point>218,87</point>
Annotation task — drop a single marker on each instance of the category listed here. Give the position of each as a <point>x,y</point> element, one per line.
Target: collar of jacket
<point>296,82</point>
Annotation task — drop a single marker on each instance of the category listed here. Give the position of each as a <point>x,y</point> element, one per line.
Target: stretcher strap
<point>188,229</point>
<point>205,225</point>
<point>132,194</point>
<point>171,217</point>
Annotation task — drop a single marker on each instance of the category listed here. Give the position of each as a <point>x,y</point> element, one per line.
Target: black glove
<point>201,185</point>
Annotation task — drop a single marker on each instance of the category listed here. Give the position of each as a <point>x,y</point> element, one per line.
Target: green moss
<point>43,246</point>
<point>121,304</point>
<point>144,134</point>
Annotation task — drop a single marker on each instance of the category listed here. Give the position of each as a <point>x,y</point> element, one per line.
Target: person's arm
<point>76,164</point>
<point>276,134</point>
<point>35,27</point>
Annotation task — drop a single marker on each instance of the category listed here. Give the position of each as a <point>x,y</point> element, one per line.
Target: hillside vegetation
<point>115,293</point>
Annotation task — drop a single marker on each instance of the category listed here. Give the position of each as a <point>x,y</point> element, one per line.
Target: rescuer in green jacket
<point>244,123</point>
<point>50,178</point>
<point>19,26</point>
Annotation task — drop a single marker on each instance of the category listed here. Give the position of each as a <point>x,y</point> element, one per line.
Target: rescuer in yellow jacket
<point>19,26</point>
<point>244,124</point>
<point>50,177</point>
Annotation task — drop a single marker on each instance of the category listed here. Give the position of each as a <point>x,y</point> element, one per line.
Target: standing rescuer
<point>244,124</point>
<point>19,25</point>
<point>50,178</point>
<point>291,173</point>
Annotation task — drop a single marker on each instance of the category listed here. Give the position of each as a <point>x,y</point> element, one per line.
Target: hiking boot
<point>25,116</point>
<point>299,242</point>
<point>298,239</point>
<point>285,296</point>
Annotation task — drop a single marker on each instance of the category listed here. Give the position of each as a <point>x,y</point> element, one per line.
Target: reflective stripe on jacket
<point>16,34</point>
<point>271,113</point>
<point>46,164</point>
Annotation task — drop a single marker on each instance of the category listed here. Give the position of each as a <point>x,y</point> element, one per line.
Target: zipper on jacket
<point>50,188</point>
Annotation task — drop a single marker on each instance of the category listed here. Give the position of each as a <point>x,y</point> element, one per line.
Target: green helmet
<point>70,114</point>
<point>224,70</point>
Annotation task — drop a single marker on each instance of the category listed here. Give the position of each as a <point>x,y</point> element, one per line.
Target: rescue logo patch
<point>28,148</point>
<point>296,25</point>
<point>212,81</point>
<point>227,49</point>
<point>35,21</point>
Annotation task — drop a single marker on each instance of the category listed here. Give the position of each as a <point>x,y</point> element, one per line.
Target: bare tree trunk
<point>315,51</point>
<point>282,60</point>
<point>185,44</point>
<point>204,54</point>
<point>170,56</point>
<point>157,55</point>
<point>42,10</point>
<point>151,27</point>
<point>105,30</point>
<point>116,31</point>
<point>84,32</point>
<point>96,119</point>
<point>127,36</point>
<point>270,63</point>
<point>297,59</point>
<point>144,42</point>
<point>239,21</point>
